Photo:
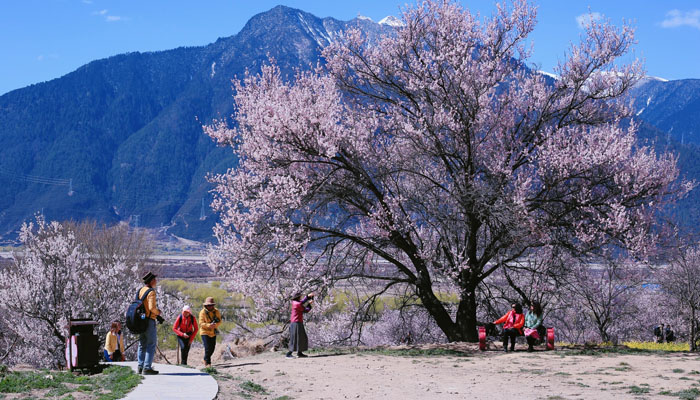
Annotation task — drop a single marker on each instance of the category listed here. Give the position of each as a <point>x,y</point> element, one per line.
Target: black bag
<point>136,318</point>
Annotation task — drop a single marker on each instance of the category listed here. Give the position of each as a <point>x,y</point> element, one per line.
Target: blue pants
<point>209,345</point>
<point>147,345</point>
<point>184,349</point>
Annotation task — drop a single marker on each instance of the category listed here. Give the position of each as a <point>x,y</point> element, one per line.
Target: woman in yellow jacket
<point>114,343</point>
<point>209,321</point>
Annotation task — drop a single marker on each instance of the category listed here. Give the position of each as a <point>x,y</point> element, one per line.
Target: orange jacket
<point>507,321</point>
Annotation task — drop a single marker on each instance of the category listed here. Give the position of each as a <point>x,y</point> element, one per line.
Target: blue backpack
<point>136,318</point>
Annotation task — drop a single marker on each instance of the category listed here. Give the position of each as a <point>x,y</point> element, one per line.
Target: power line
<point>37,179</point>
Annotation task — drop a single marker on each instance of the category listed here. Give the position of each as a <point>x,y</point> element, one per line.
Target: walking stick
<point>178,352</point>
<point>163,355</point>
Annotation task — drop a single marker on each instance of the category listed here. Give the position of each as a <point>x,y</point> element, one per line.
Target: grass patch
<point>638,390</point>
<point>210,370</point>
<point>252,387</point>
<point>417,352</point>
<point>285,397</point>
<point>688,394</point>
<point>114,382</point>
<point>383,351</point>
<point>623,366</point>
<point>533,371</point>
<point>678,370</point>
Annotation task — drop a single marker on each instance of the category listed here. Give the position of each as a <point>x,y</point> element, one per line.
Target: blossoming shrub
<point>62,273</point>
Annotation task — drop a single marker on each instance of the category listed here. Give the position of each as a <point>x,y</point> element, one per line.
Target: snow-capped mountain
<point>391,21</point>
<point>123,134</point>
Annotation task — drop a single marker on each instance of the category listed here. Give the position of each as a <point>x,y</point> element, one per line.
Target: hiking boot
<point>301,355</point>
<point>150,371</point>
<point>139,370</point>
<point>289,355</point>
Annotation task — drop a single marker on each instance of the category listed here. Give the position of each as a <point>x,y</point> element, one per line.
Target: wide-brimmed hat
<point>209,301</point>
<point>149,277</point>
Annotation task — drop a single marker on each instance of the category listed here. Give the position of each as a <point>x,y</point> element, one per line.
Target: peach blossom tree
<point>63,271</point>
<point>430,159</point>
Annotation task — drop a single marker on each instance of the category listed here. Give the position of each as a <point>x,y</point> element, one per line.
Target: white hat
<point>187,308</point>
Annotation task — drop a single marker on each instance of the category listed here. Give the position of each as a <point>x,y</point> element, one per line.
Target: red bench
<point>482,338</point>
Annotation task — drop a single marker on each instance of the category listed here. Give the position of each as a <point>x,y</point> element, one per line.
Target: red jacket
<point>298,310</point>
<point>509,322</point>
<point>186,326</point>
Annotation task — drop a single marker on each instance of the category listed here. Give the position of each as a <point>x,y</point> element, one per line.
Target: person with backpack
<point>209,321</point>
<point>114,343</point>
<point>659,333</point>
<point>149,338</point>
<point>185,327</point>
<point>668,334</point>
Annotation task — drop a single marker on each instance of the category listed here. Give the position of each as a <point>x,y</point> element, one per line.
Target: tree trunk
<point>693,332</point>
<point>442,318</point>
<point>466,316</point>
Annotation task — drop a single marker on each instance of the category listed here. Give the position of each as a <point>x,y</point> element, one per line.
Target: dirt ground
<point>560,374</point>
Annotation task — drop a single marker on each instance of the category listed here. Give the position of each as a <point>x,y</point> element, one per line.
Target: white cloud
<point>584,20</point>
<point>87,1</point>
<point>42,57</point>
<point>109,18</point>
<point>676,18</point>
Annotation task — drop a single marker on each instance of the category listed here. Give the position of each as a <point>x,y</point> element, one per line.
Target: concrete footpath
<point>173,383</point>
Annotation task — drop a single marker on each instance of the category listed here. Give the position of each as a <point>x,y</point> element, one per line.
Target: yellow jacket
<point>111,343</point>
<point>149,304</point>
<point>206,327</point>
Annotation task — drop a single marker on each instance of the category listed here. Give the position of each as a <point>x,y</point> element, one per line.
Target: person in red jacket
<point>513,323</point>
<point>185,328</point>
<point>298,341</point>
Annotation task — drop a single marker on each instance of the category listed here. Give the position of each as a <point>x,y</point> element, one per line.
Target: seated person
<point>513,323</point>
<point>114,343</point>
<point>533,325</point>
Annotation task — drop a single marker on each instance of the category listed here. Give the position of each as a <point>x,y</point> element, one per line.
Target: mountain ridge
<point>120,138</point>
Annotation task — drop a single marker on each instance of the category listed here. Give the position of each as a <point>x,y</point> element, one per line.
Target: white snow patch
<point>656,78</point>
<point>392,21</point>
<point>213,69</point>
<point>318,36</point>
<point>549,74</point>
<point>648,101</point>
<point>641,111</point>
<point>360,16</point>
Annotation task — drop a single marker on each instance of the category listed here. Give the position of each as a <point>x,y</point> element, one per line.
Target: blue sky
<point>45,39</point>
